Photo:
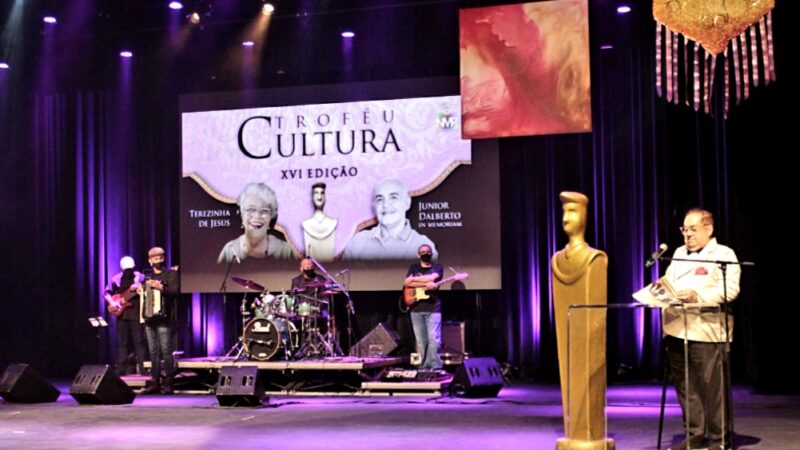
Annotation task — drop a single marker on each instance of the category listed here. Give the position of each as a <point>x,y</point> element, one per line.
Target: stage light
<point>623,9</point>
<point>126,54</point>
<point>194,17</point>
<point>267,9</point>
<point>49,19</point>
<point>175,5</point>
<point>606,47</point>
<point>348,34</point>
<point>4,65</point>
<point>248,43</point>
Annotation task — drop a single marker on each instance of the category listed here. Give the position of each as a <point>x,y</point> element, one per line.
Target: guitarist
<point>426,315</point>
<point>123,303</point>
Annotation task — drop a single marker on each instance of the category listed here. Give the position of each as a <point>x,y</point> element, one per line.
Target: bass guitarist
<point>123,303</point>
<point>426,314</point>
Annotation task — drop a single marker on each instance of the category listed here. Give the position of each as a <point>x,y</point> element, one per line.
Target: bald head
<point>390,201</point>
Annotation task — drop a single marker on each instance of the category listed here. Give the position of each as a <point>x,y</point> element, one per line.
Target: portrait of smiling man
<point>393,237</point>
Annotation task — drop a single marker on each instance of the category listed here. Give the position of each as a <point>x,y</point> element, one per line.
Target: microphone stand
<point>223,289</point>
<point>350,313</point>
<point>727,410</point>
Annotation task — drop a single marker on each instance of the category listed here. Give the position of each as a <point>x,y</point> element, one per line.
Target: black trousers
<point>706,400</point>
<point>127,331</point>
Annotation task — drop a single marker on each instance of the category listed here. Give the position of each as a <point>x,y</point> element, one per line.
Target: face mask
<point>158,266</point>
<point>426,257</point>
<point>310,273</point>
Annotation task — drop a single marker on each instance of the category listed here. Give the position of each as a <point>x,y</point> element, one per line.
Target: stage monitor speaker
<point>381,341</point>
<point>239,386</point>
<point>20,383</point>
<point>99,385</point>
<point>453,338</point>
<point>478,377</point>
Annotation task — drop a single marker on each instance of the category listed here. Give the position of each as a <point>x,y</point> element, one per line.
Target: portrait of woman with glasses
<point>258,207</point>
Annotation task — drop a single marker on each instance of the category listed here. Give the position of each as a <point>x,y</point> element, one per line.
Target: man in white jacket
<point>706,400</point>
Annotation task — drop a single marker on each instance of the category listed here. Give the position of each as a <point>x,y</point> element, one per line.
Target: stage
<point>522,416</point>
<point>345,375</point>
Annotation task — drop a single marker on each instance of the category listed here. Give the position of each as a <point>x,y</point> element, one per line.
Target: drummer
<point>308,283</point>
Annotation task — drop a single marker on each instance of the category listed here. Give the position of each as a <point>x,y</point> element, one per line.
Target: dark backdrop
<point>91,154</point>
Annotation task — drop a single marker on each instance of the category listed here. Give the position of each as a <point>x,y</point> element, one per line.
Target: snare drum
<point>264,338</point>
<point>262,305</point>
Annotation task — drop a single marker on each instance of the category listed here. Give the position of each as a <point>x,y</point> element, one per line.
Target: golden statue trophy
<point>579,278</point>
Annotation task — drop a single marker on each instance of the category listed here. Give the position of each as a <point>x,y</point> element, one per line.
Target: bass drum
<point>265,338</point>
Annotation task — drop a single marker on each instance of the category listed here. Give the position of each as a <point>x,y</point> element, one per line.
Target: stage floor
<point>522,416</point>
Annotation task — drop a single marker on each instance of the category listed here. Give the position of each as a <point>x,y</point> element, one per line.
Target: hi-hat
<point>331,292</point>
<point>249,284</point>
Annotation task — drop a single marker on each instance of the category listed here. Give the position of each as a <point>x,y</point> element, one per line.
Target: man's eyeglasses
<point>693,229</point>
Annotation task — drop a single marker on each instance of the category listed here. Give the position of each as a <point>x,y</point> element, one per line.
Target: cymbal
<point>316,283</point>
<point>249,284</point>
<point>331,292</point>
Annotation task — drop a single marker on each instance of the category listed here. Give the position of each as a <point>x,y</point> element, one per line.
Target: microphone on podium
<point>656,255</point>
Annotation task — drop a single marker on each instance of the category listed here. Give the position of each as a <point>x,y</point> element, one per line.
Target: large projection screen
<point>357,176</point>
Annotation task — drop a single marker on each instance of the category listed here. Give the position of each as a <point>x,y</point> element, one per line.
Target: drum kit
<point>290,325</point>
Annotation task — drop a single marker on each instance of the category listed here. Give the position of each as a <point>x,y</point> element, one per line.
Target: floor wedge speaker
<point>478,377</point>
<point>381,341</point>
<point>20,383</point>
<point>100,385</point>
<point>239,386</point>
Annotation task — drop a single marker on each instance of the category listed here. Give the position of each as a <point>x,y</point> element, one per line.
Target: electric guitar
<point>412,295</point>
<point>120,302</point>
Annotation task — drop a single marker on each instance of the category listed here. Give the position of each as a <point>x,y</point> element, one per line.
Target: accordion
<point>151,304</point>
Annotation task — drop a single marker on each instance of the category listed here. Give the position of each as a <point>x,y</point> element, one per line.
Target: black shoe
<point>692,443</point>
<point>153,388</point>
<point>438,374</point>
<point>167,389</point>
